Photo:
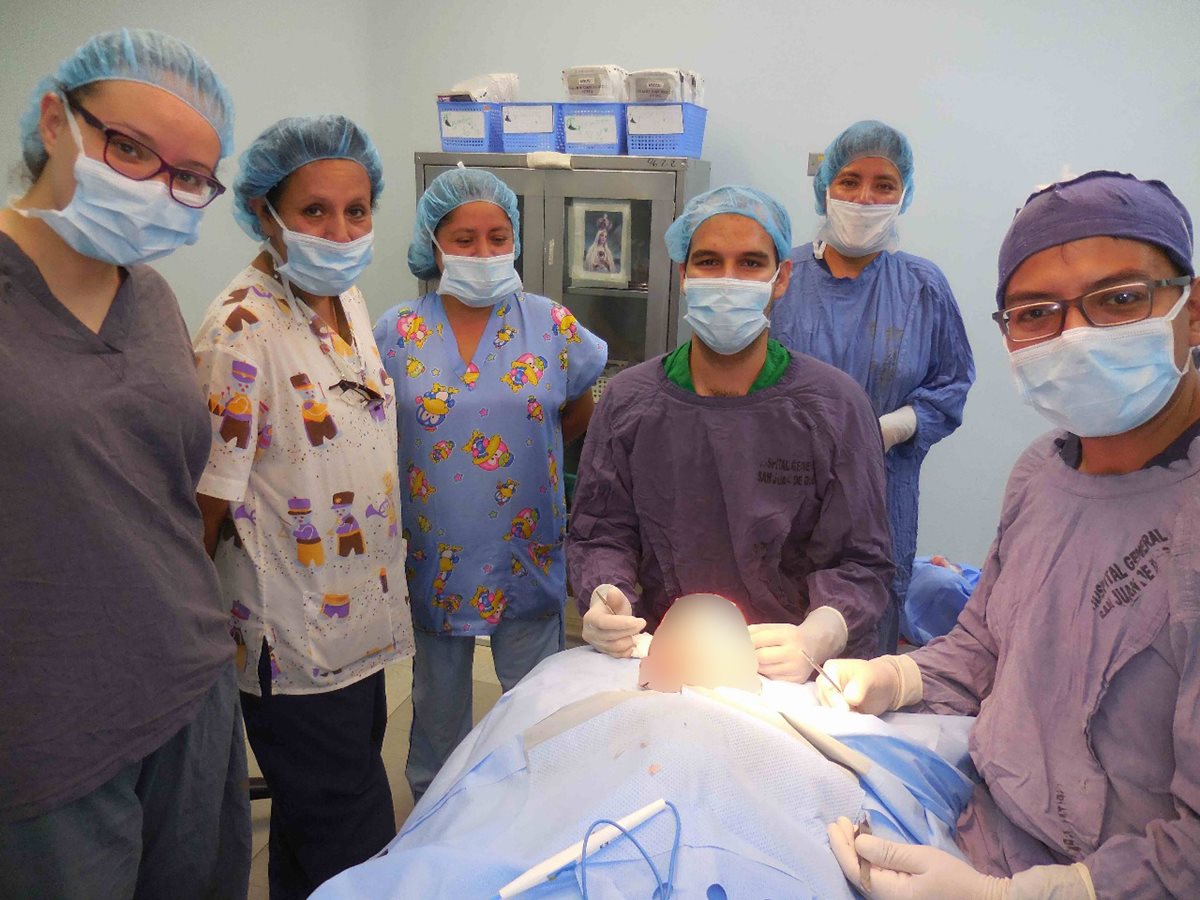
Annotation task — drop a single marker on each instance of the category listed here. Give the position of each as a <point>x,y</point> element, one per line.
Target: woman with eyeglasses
<point>122,759</point>
<point>299,496</point>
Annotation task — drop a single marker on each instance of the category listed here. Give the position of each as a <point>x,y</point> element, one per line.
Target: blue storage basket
<point>489,143</point>
<point>614,111</point>
<point>529,141</point>
<point>688,142</point>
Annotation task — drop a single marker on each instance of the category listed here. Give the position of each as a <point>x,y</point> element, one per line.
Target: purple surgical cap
<point>1098,204</point>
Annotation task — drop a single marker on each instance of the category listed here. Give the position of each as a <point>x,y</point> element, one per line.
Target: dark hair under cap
<point>1098,204</point>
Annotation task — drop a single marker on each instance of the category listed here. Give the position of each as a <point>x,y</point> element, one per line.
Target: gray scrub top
<point>774,500</point>
<point>1080,653</point>
<point>111,620</point>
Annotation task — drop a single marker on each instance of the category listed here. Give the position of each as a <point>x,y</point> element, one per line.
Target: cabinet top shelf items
<point>578,163</point>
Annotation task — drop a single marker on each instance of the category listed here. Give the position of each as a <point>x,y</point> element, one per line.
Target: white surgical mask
<point>115,219</point>
<point>727,313</point>
<point>478,281</point>
<point>859,229</point>
<point>1096,382</point>
<point>321,267</point>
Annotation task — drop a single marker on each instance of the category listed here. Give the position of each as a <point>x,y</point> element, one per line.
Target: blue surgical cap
<point>866,138</point>
<point>735,200</point>
<point>134,54</point>
<point>294,142</point>
<point>446,193</point>
<point>1098,204</point>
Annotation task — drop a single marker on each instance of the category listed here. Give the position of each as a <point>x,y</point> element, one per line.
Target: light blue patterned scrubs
<point>480,456</point>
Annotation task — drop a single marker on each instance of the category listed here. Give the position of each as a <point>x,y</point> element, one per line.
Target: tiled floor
<point>398,678</point>
<point>395,751</point>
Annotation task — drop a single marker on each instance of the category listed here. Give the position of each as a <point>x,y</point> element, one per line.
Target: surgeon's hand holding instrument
<point>870,686</point>
<point>913,872</point>
<point>595,839</point>
<point>609,625</point>
<point>789,652</point>
<point>821,673</point>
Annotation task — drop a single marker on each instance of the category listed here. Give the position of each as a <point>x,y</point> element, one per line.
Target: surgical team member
<point>731,466</point>
<point>885,317</point>
<point>302,482</point>
<point>1080,649</point>
<point>491,381</point>
<point>122,758</point>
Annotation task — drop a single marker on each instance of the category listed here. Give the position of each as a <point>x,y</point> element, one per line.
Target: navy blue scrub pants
<point>331,804</point>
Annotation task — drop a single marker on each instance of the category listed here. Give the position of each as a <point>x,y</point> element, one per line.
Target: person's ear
<point>782,280</point>
<point>52,124</point>
<point>266,221</point>
<point>1193,313</point>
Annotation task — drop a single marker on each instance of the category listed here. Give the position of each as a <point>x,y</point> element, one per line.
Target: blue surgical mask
<point>1096,382</point>
<point>321,267</point>
<point>478,281</point>
<point>115,219</point>
<point>727,313</point>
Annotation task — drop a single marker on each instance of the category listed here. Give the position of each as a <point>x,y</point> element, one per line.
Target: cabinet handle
<point>550,252</point>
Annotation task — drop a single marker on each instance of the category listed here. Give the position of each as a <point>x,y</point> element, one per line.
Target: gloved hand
<point>781,648</point>
<point>609,624</point>
<point>909,871</point>
<point>897,426</point>
<point>871,686</point>
<point>913,872</point>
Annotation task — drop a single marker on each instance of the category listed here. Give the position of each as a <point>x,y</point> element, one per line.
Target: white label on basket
<point>591,129</point>
<point>528,119</point>
<point>462,124</point>
<point>655,119</point>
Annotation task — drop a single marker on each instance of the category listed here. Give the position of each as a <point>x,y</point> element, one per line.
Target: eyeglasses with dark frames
<point>130,157</point>
<point>1122,304</point>
<point>364,395</point>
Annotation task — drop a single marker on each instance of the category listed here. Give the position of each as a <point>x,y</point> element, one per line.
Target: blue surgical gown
<point>897,331</point>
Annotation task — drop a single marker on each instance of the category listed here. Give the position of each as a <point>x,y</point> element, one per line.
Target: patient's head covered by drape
<point>701,641</point>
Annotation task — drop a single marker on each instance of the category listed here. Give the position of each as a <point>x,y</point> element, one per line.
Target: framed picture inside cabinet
<point>599,243</point>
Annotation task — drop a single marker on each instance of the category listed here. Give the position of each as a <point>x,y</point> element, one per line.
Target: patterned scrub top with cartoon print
<point>480,453</point>
<point>313,562</point>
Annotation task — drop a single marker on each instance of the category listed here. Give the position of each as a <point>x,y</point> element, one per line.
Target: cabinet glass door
<point>605,256</point>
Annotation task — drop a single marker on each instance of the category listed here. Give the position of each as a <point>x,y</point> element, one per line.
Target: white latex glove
<point>781,648</point>
<point>609,624</point>
<point>913,872</point>
<point>871,686</point>
<point>897,426</point>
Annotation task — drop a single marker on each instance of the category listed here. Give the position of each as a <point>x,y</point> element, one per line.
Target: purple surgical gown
<point>896,330</point>
<point>1080,653</point>
<point>774,500</point>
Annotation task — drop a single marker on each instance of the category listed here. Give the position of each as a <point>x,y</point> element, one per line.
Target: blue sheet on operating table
<point>753,800</point>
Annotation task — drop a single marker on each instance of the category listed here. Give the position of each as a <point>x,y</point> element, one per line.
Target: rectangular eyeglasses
<point>134,160</point>
<point>1122,304</point>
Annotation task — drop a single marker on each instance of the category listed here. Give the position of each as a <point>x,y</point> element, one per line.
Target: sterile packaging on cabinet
<point>600,84</point>
<point>498,87</point>
<point>657,85</point>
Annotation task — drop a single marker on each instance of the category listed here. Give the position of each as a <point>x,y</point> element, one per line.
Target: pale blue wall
<point>996,97</point>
